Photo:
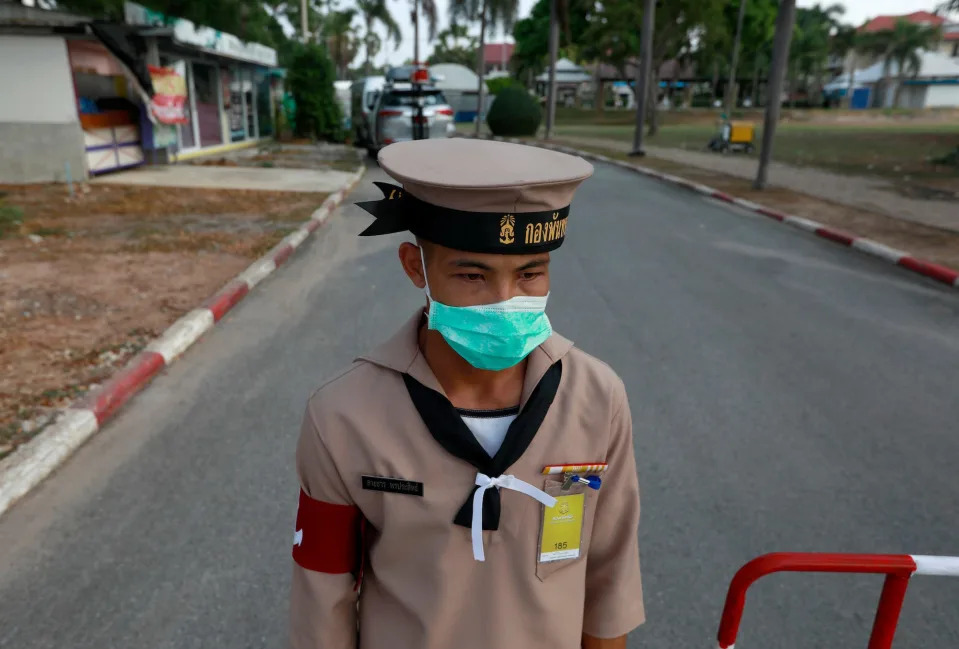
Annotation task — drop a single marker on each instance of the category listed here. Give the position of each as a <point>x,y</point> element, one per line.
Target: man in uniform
<point>471,484</point>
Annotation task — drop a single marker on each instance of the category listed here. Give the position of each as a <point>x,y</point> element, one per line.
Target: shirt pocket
<point>557,526</point>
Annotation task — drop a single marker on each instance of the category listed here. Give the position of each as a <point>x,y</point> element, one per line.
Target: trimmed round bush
<point>514,113</point>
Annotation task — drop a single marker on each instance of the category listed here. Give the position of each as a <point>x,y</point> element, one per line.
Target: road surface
<point>787,394</point>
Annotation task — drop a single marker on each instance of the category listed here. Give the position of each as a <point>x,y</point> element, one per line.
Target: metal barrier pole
<point>887,613</point>
<point>897,568</point>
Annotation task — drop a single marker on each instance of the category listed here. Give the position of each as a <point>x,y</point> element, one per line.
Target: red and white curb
<point>26,467</point>
<point>901,258</point>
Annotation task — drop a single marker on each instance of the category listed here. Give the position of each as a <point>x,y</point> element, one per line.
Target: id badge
<point>562,529</point>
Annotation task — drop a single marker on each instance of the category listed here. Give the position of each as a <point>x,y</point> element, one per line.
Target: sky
<point>857,12</point>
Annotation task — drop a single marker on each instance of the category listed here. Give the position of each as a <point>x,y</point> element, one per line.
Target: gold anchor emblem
<point>506,224</point>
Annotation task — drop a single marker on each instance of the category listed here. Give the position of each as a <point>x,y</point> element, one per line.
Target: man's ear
<point>412,263</point>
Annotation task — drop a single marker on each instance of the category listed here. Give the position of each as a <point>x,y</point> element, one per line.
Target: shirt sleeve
<point>323,597</point>
<point>614,594</point>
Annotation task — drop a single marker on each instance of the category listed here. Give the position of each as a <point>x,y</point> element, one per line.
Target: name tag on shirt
<point>562,528</point>
<point>392,485</point>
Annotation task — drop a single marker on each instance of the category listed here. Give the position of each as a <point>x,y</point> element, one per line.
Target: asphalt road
<point>787,394</point>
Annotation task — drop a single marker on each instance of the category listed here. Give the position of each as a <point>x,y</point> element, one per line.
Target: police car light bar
<point>898,568</point>
<point>421,75</point>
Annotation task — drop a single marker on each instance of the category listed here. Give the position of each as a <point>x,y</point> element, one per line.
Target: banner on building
<point>169,95</point>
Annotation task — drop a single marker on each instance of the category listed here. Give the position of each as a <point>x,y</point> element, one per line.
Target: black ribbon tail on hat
<point>390,217</point>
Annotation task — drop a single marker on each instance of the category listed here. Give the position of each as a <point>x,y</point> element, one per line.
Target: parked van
<point>364,95</point>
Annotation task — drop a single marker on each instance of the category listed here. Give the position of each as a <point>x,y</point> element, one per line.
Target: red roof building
<point>881,23</point>
<point>498,53</point>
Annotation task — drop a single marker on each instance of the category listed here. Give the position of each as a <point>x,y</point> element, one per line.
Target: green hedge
<point>514,113</point>
<point>310,78</point>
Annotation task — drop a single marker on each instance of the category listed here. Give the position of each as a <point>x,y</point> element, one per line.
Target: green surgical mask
<point>491,336</point>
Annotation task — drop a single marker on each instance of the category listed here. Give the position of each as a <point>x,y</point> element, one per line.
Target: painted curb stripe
<point>226,299</point>
<point>258,271</point>
<point>877,249</point>
<point>282,254</point>
<point>836,236</point>
<point>32,462</point>
<point>935,271</point>
<point>938,566</point>
<point>123,385</point>
<point>182,333</point>
<point>803,224</point>
<point>297,237</point>
<point>773,214</point>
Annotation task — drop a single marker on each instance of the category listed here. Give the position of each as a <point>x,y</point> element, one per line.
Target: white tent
<point>459,85</point>
<point>566,72</point>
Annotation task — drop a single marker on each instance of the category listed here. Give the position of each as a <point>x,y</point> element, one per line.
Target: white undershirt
<point>489,427</point>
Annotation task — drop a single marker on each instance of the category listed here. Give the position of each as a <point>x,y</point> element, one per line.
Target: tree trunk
<point>731,90</point>
<point>367,66</point>
<point>850,91</point>
<point>755,89</point>
<point>653,100</point>
<point>784,29</point>
<point>644,73</point>
<point>481,71</point>
<point>551,79</point>
<point>715,81</point>
<point>600,97</point>
<point>897,96</point>
<point>792,84</point>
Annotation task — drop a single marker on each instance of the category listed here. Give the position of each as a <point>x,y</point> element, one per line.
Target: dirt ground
<point>86,282</point>
<point>933,244</point>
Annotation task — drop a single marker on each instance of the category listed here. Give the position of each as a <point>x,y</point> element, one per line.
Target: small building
<point>936,85</point>
<point>571,81</point>
<point>496,57</point>
<point>87,97</point>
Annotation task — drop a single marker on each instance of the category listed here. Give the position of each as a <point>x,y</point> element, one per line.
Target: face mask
<point>491,336</point>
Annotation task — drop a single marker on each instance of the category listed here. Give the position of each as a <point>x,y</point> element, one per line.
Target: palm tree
<point>374,11</point>
<point>811,44</point>
<point>341,39</point>
<point>904,44</point>
<point>844,45</point>
<point>429,12</point>
<point>489,13</point>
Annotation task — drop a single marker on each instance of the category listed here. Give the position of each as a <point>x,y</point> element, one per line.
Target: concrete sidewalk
<point>868,193</point>
<point>269,179</point>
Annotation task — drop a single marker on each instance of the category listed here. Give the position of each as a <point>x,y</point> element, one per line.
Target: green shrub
<point>11,218</point>
<point>498,85</point>
<point>310,78</point>
<point>514,113</point>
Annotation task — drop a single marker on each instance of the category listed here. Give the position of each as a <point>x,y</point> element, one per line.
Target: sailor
<point>471,483</point>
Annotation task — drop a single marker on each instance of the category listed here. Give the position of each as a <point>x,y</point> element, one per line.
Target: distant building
<point>950,40</point>
<point>881,23</point>
<point>86,97</point>
<point>935,86</point>
<point>496,57</point>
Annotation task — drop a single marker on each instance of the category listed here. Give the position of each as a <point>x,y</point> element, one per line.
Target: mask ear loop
<point>425,278</point>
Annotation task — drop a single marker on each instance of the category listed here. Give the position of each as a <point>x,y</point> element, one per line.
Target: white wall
<point>37,82</point>
<point>939,96</point>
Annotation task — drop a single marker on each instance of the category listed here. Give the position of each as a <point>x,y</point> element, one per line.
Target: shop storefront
<point>228,86</point>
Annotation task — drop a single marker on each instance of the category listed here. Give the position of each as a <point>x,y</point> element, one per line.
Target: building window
<point>207,104</point>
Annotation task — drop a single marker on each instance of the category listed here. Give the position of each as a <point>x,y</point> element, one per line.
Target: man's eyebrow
<point>469,263</point>
<point>536,263</point>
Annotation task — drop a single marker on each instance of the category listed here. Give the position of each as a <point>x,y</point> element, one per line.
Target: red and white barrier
<point>898,568</point>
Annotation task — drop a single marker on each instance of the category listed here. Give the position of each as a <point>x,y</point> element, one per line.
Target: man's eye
<point>471,277</point>
<point>530,276</point>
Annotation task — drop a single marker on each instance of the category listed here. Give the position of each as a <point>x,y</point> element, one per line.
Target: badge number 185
<point>562,528</point>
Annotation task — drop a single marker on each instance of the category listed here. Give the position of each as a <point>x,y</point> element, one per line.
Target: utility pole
<point>731,88</point>
<point>553,55</point>
<point>304,20</point>
<point>774,91</point>
<point>644,72</point>
<point>416,32</point>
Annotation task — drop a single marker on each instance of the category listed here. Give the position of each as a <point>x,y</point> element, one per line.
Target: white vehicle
<point>409,111</point>
<point>363,97</point>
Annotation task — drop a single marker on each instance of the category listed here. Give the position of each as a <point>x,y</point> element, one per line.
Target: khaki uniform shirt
<point>422,587</point>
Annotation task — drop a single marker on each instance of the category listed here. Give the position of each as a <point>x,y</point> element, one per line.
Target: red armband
<point>327,536</point>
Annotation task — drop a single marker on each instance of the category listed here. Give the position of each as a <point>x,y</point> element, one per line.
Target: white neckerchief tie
<point>485,482</point>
